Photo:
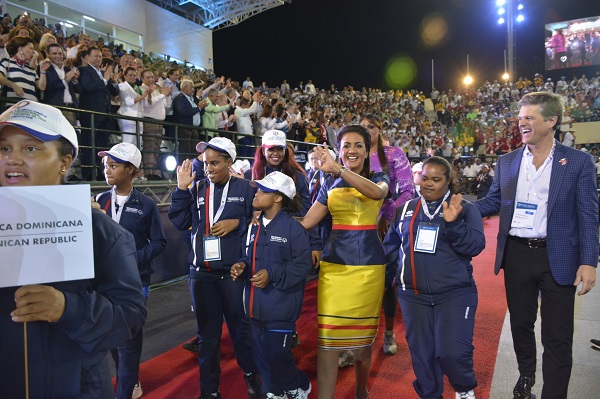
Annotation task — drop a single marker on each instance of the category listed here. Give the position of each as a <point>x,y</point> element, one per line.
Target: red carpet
<point>174,374</point>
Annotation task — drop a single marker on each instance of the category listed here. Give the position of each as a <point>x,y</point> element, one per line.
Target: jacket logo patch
<point>235,199</point>
<point>279,239</point>
<point>409,214</point>
<point>200,201</point>
<point>134,210</point>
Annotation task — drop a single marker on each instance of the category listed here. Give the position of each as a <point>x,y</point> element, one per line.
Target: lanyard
<point>532,181</point>
<point>210,193</point>
<point>253,270</point>
<point>115,209</point>
<point>412,244</point>
<point>426,210</point>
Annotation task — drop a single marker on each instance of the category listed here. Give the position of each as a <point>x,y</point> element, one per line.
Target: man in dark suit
<point>187,110</point>
<point>547,240</point>
<point>60,83</point>
<point>95,87</point>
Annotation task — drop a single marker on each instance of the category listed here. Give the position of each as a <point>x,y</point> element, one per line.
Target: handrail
<point>204,133</point>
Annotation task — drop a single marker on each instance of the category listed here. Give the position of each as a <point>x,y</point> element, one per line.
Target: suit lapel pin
<point>563,161</point>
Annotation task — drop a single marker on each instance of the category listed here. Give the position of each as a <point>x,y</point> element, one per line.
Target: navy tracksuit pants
<point>127,361</point>
<point>440,338</point>
<point>274,360</point>
<point>212,301</point>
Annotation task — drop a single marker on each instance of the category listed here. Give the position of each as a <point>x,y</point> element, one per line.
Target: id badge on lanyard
<point>427,235</point>
<point>524,215</point>
<point>212,248</point>
<point>212,244</point>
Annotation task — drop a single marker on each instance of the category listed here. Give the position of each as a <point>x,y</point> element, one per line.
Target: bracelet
<point>342,169</point>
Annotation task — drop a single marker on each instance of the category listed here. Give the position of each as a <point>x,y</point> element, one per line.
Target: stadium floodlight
<point>171,163</point>
<point>520,7</point>
<point>520,18</point>
<point>501,11</point>
<point>500,21</point>
<point>500,3</point>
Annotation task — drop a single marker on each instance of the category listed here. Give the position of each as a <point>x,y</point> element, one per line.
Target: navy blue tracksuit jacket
<point>141,218</point>
<point>282,248</point>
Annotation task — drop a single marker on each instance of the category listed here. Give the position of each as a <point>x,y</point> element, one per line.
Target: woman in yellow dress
<point>353,263</point>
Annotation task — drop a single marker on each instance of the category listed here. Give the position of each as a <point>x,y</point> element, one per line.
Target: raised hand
<point>452,210</point>
<point>185,177</point>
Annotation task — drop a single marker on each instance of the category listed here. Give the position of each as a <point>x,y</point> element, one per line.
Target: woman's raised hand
<point>185,177</point>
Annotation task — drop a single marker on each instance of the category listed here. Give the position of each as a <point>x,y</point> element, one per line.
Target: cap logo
<point>17,111</point>
<point>120,150</point>
<point>270,179</point>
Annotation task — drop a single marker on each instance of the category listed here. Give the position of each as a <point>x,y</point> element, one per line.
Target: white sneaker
<point>137,391</point>
<point>299,393</point>
<point>389,344</point>
<point>465,395</point>
<point>273,396</point>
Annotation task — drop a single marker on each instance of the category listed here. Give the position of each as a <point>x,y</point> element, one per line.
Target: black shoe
<point>596,343</point>
<point>253,385</point>
<point>211,396</point>
<point>191,345</point>
<point>523,388</point>
<point>295,340</point>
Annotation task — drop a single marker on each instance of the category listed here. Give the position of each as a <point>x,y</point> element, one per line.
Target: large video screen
<point>571,44</point>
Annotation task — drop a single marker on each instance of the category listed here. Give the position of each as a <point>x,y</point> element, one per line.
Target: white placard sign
<point>45,234</point>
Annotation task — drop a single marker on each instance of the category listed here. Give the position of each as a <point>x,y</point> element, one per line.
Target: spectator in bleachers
<point>244,124</point>
<point>131,97</point>
<point>211,111</point>
<point>60,83</point>
<point>154,107</point>
<point>187,110</point>
<point>17,76</point>
<point>83,40</point>
<point>268,120</point>
<point>96,85</point>
<point>248,84</point>
<point>47,39</point>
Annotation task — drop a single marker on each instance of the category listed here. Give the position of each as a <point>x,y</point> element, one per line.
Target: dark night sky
<point>348,42</point>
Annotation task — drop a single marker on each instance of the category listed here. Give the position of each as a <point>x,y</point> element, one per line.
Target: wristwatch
<point>342,169</point>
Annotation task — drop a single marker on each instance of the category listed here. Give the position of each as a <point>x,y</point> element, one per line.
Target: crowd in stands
<point>465,122</point>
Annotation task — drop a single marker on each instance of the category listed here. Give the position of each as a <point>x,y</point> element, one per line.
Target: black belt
<point>530,242</point>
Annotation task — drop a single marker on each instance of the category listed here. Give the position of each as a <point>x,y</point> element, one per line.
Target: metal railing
<point>172,149</point>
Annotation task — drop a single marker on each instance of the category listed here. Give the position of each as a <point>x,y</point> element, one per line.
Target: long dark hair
<point>289,165</point>
<point>366,170</point>
<point>374,119</point>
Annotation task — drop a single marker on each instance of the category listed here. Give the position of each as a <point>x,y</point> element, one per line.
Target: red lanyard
<point>412,245</point>
<point>206,199</point>
<point>253,270</point>
<point>107,206</point>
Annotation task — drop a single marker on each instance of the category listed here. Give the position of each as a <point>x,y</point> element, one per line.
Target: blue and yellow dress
<point>352,268</point>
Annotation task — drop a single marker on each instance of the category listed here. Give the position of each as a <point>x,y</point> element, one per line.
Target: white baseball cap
<point>42,121</point>
<point>220,144</point>
<point>418,167</point>
<point>277,181</point>
<point>274,138</point>
<point>124,152</point>
<point>241,166</point>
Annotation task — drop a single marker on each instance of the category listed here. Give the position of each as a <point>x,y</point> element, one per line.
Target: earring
<point>63,170</point>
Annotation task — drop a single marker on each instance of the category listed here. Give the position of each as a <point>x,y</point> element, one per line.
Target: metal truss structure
<point>218,14</point>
